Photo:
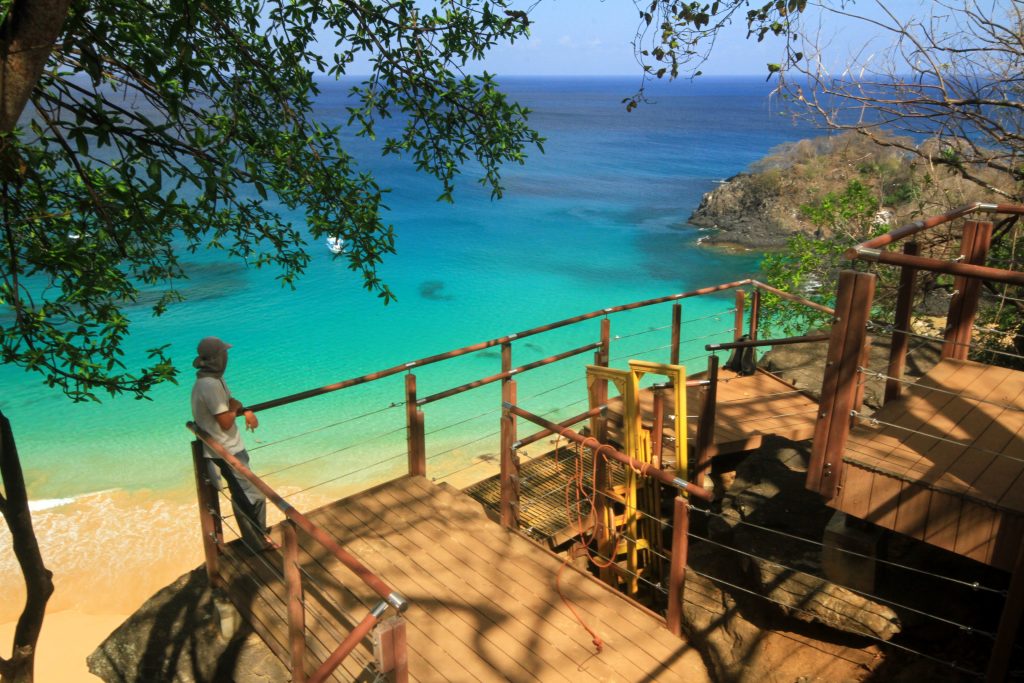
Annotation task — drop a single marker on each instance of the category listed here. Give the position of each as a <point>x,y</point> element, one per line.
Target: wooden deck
<point>951,472</point>
<point>748,409</point>
<point>483,601</point>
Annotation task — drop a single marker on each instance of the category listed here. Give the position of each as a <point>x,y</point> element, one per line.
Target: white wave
<point>50,503</point>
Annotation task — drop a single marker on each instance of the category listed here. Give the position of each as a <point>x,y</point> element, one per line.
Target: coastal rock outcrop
<point>744,212</point>
<point>175,636</point>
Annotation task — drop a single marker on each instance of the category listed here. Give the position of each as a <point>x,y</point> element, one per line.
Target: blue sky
<point>593,37</point>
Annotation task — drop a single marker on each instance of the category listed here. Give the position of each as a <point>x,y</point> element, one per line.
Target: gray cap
<point>210,347</point>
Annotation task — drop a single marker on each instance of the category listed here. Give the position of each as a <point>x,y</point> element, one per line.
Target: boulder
<point>176,636</point>
<point>740,646</point>
<point>747,212</point>
<point>810,598</point>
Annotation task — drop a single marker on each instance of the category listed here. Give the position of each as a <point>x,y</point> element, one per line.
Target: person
<point>215,410</point>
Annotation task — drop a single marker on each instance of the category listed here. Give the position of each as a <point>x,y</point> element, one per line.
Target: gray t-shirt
<point>210,397</point>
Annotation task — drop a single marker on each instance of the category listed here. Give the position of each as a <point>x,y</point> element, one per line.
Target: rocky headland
<point>762,207</point>
<point>741,215</point>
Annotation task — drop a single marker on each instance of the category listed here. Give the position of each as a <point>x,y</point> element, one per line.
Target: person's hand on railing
<point>251,422</point>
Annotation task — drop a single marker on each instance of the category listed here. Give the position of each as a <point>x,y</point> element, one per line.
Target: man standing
<point>215,411</point>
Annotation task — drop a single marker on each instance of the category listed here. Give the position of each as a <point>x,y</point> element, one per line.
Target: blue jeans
<point>247,501</point>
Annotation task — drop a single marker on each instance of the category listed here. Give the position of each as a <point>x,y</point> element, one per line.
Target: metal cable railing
<point>292,437</point>
<point>975,586</point>
<point>334,451</point>
<point>884,643</point>
<point>709,316</point>
<point>640,333</point>
<point>459,423</point>
<point>877,374</point>
<point>623,571</point>
<point>366,468</point>
<point>322,624</point>
<point>869,419</point>
<point>889,329</point>
<point>637,354</point>
<point>949,622</point>
<point>258,555</point>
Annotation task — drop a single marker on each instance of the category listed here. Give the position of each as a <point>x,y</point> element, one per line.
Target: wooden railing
<point>295,521</point>
<point>843,383</point>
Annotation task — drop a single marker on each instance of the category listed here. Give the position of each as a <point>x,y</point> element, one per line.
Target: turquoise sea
<point>596,221</point>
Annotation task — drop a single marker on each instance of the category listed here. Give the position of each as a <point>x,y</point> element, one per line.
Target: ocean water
<point>596,221</point>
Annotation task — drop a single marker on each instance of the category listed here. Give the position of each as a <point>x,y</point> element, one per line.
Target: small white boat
<point>336,245</point>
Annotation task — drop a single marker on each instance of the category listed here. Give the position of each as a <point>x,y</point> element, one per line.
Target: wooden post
<point>209,514</point>
<point>755,320</point>
<point>296,608</point>
<point>901,325</point>
<point>414,430</point>
<point>706,423</point>
<point>506,361</point>
<point>677,571</point>
<point>741,304</point>
<point>1009,623</point>
<point>603,354</point>
<point>509,478</point>
<point>393,655</point>
<point>861,379</point>
<point>963,307</point>
<point>655,537</point>
<point>839,386</point>
<point>677,323</point>
<point>755,313</point>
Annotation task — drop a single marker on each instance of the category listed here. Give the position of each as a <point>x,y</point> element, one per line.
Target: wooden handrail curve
<point>389,597</point>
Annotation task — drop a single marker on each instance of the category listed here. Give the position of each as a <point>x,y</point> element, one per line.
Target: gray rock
<point>810,598</point>
<point>744,212</point>
<point>740,646</point>
<point>175,636</point>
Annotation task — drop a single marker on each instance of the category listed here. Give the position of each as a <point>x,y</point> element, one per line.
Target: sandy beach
<point>109,552</point>
<point>67,639</point>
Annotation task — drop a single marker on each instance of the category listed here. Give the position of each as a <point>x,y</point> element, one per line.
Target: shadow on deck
<point>483,600</point>
<point>944,462</point>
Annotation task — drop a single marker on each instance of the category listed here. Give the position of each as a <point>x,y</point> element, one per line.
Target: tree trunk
<point>38,579</point>
<point>27,35</point>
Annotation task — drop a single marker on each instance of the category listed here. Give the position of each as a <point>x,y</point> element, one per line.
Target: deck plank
<point>954,445</point>
<point>483,601</point>
<point>974,532</point>
<point>885,499</point>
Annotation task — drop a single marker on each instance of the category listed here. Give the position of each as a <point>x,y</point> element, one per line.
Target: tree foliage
<point>810,265</point>
<point>157,129</point>
<point>676,38</point>
<point>943,84</point>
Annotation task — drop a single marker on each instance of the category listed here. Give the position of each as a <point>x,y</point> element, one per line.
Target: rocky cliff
<point>742,212</point>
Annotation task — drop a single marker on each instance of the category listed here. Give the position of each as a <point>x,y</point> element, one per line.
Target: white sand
<point>67,639</point>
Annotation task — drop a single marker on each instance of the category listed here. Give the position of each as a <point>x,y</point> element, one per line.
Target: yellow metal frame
<point>639,496</point>
<point>677,375</point>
